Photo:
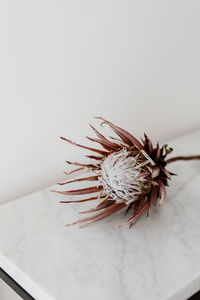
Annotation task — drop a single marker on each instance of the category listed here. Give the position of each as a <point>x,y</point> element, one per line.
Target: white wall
<point>136,63</point>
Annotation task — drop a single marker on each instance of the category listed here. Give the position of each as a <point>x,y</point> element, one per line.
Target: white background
<point>136,63</point>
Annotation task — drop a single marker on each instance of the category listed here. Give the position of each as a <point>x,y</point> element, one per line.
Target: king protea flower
<point>129,174</point>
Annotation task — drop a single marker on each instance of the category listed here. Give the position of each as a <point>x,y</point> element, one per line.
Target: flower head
<point>124,175</point>
<point>129,174</point>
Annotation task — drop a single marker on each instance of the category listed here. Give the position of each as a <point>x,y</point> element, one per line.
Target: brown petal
<point>128,208</point>
<point>95,157</point>
<point>155,171</point>
<point>73,171</point>
<point>82,200</point>
<point>151,200</point>
<point>148,145</point>
<point>91,178</point>
<point>157,152</point>
<point>172,174</point>
<point>137,205</point>
<point>134,218</point>
<point>153,196</point>
<point>103,204</point>
<point>103,138</point>
<point>88,148</point>
<point>104,144</point>
<point>81,165</point>
<point>162,191</point>
<point>168,175</point>
<point>89,190</point>
<point>124,135</point>
<point>108,211</point>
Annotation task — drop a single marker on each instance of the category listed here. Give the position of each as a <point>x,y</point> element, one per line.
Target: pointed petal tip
<point>121,225</point>
<point>67,225</point>
<point>89,190</point>
<point>101,118</point>
<point>62,138</point>
<point>74,223</point>
<point>57,192</point>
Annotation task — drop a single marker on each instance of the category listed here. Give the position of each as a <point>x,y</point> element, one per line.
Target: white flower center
<point>119,176</point>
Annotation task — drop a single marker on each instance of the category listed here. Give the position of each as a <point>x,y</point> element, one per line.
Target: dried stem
<point>173,159</point>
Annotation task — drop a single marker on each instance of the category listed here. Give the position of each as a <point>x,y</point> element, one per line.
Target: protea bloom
<point>128,173</point>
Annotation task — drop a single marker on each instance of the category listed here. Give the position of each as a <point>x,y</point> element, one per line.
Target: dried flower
<point>129,174</point>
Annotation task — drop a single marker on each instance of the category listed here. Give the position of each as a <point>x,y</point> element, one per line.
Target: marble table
<point>157,259</point>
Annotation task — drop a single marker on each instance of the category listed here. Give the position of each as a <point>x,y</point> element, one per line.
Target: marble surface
<point>157,259</point>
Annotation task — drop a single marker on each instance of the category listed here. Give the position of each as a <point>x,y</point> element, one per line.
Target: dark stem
<point>182,158</point>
